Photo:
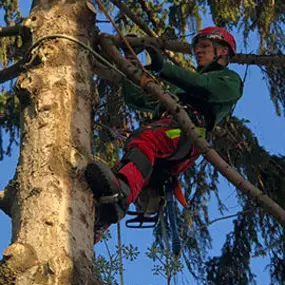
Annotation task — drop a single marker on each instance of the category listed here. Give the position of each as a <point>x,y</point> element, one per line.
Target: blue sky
<point>255,106</point>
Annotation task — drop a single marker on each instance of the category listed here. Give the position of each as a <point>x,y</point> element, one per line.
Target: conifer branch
<point>6,197</point>
<point>155,20</point>
<point>16,31</point>
<point>187,126</point>
<point>255,59</point>
<point>182,47</point>
<point>4,203</point>
<point>10,31</point>
<point>159,42</point>
<point>125,10</point>
<point>106,73</point>
<point>229,216</point>
<point>143,26</point>
<point>16,69</point>
<point>264,251</point>
<point>13,71</point>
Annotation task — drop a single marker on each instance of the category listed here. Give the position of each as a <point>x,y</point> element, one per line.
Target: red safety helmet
<point>217,34</point>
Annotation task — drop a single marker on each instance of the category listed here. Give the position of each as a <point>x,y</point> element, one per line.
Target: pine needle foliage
<point>9,103</point>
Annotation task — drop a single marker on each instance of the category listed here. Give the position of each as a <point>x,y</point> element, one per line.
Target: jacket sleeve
<point>136,99</point>
<point>223,86</point>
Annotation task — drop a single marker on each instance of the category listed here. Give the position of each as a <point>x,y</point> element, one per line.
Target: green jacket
<point>212,90</point>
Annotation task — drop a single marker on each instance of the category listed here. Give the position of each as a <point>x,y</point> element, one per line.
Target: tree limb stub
<point>182,47</point>
<point>17,30</point>
<point>12,71</point>
<point>7,196</point>
<point>4,203</point>
<point>189,129</point>
<point>10,31</point>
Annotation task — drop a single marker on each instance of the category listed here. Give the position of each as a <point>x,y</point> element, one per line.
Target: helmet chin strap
<point>217,57</point>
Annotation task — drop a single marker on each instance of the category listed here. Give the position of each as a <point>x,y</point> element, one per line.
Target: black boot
<point>110,192</point>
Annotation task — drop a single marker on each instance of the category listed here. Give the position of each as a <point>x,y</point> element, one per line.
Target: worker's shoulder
<point>229,73</point>
<point>225,74</point>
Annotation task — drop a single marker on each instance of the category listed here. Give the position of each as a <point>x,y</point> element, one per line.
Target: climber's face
<point>205,51</point>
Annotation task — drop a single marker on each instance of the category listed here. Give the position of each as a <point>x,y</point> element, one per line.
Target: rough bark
<point>52,212</point>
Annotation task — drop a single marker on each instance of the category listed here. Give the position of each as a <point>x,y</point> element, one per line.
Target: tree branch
<point>106,73</point>
<point>143,26</point>
<point>10,31</point>
<point>125,10</point>
<point>229,216</point>
<point>160,43</point>
<point>16,69</point>
<point>4,203</point>
<point>18,30</point>
<point>12,71</point>
<point>7,196</point>
<point>182,47</point>
<point>187,126</point>
<point>262,252</point>
<point>259,59</point>
<point>157,23</point>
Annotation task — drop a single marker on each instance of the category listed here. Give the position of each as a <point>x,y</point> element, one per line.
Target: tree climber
<point>159,150</point>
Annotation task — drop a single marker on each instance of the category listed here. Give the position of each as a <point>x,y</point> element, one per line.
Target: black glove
<point>156,59</point>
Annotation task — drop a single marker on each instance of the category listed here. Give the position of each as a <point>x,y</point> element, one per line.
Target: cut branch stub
<point>4,203</point>
<point>12,71</point>
<point>189,129</point>
<point>18,30</point>
<point>7,197</point>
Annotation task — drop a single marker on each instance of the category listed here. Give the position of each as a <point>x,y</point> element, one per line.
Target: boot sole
<point>99,177</point>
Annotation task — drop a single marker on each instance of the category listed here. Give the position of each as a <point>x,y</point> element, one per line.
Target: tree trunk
<point>52,212</point>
